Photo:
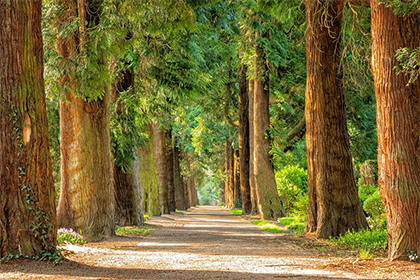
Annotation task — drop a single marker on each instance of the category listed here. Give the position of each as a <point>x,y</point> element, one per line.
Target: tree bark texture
<point>236,181</point>
<point>265,185</point>
<point>170,171</point>
<point>27,195</point>
<point>398,122</point>
<point>334,205</point>
<point>148,177</point>
<point>160,161</point>
<point>244,142</point>
<point>87,196</point>
<point>231,181</point>
<point>253,193</point>
<point>180,202</point>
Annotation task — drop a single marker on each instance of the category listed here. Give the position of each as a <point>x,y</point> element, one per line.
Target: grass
<point>293,224</point>
<point>267,226</point>
<point>236,211</point>
<point>131,230</point>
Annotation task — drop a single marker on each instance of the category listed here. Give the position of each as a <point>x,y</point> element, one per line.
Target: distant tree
<point>334,205</point>
<point>398,121</point>
<point>27,196</point>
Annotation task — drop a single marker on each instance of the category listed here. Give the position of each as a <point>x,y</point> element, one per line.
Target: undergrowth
<point>132,230</point>
<point>236,211</point>
<point>366,239</point>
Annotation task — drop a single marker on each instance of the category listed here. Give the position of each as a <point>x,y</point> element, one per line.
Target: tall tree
<point>27,195</point>
<point>268,201</point>
<point>398,122</point>
<point>334,205</point>
<point>244,155</point>
<point>86,199</point>
<point>161,168</point>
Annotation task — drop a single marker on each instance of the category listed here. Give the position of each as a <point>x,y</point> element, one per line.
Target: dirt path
<point>205,243</point>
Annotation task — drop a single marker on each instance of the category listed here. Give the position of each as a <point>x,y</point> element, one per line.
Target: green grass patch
<point>293,224</point>
<point>267,226</point>
<point>180,211</point>
<point>366,240</point>
<point>236,211</point>
<point>131,230</point>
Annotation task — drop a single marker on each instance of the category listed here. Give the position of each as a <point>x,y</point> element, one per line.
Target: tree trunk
<point>160,161</point>
<point>178,182</point>
<point>237,202</point>
<point>27,195</point>
<point>226,173</point>
<point>244,142</point>
<point>231,186</point>
<point>253,193</point>
<point>128,193</point>
<point>265,184</point>
<point>87,196</point>
<point>148,177</point>
<point>398,121</point>
<point>170,171</point>
<point>334,205</point>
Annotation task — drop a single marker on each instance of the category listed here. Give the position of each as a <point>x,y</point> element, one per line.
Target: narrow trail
<point>204,243</point>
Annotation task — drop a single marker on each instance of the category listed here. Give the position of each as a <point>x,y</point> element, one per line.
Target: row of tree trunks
<point>334,205</point>
<point>170,171</point>
<point>26,185</point>
<point>398,122</point>
<point>180,201</point>
<point>86,199</point>
<point>232,188</point>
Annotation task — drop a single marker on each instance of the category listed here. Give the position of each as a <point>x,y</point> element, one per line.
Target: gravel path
<point>204,243</point>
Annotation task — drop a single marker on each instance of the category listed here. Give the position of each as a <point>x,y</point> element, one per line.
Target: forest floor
<point>209,243</point>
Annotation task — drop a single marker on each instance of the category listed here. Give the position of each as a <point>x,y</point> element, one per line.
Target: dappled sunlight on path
<point>203,243</point>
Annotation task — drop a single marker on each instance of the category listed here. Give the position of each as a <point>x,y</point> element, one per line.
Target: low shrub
<point>366,239</point>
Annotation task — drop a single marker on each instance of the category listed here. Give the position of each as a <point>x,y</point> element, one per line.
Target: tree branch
<point>361,3</point>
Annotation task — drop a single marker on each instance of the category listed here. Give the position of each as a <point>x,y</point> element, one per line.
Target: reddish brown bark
<point>398,121</point>
<point>87,197</point>
<point>334,205</point>
<point>253,194</point>
<point>27,195</point>
<point>244,142</point>
<point>265,184</point>
<point>180,202</point>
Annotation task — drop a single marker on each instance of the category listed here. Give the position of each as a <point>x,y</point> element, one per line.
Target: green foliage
<point>366,239</point>
<point>291,185</point>
<point>69,236</point>
<point>403,7</point>
<point>365,191</point>
<point>130,230</point>
<point>375,207</point>
<point>409,63</point>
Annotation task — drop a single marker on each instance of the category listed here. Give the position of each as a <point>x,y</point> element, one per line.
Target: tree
<point>244,155</point>
<point>86,199</point>
<point>268,201</point>
<point>161,167</point>
<point>398,125</point>
<point>27,204</point>
<point>334,205</point>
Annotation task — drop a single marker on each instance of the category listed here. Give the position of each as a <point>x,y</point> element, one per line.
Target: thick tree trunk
<point>253,193</point>
<point>87,196</point>
<point>334,205</point>
<point>244,142</point>
<point>160,161</point>
<point>178,181</point>
<point>398,121</point>
<point>265,185</point>
<point>27,195</point>
<point>170,171</point>
<point>148,177</point>
<point>128,193</point>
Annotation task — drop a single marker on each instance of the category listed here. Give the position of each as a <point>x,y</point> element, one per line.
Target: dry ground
<point>208,243</point>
